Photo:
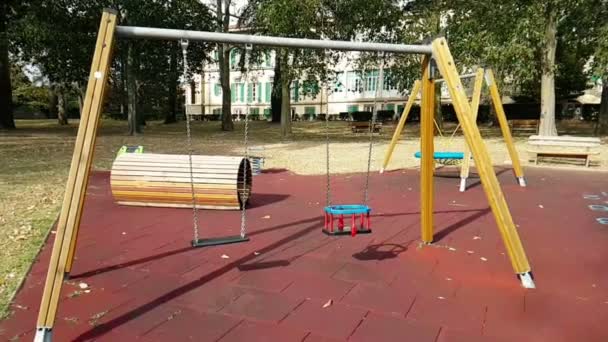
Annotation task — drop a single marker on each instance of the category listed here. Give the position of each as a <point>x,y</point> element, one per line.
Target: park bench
<point>563,147</point>
<point>363,126</point>
<point>524,126</point>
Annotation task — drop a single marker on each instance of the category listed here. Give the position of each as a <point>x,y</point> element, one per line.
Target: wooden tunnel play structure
<point>490,82</point>
<point>436,61</point>
<point>163,180</point>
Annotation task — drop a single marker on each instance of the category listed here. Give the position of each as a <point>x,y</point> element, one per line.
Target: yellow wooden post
<point>504,126</point>
<point>496,199</point>
<point>71,208</point>
<point>427,164</point>
<point>466,162</point>
<point>401,124</point>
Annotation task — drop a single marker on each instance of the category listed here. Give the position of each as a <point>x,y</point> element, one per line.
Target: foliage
<point>59,37</point>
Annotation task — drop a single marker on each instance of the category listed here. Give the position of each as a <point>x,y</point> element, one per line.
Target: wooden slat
<point>162,180</point>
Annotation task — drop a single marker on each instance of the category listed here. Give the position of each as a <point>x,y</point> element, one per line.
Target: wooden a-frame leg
<point>427,162</point>
<point>71,208</point>
<point>496,199</point>
<point>466,162</point>
<point>400,125</point>
<point>504,126</point>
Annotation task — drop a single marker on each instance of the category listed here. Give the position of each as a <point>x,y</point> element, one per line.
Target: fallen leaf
<point>452,248</point>
<point>256,253</point>
<point>448,279</point>
<point>541,206</point>
<point>483,259</point>
<point>83,285</point>
<point>328,304</point>
<point>87,291</point>
<point>124,233</point>
<point>476,237</point>
<point>266,217</point>
<point>224,256</point>
<point>442,298</point>
<point>470,252</point>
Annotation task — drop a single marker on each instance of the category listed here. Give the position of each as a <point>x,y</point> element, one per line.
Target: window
<point>310,110</point>
<point>371,80</point>
<point>353,81</point>
<point>352,108</point>
<point>295,91</point>
<point>399,109</point>
<point>390,106</point>
<point>254,111</point>
<point>217,90</point>
<point>267,113</point>
<point>259,92</point>
<point>233,93</point>
<point>340,82</point>
<point>251,90</point>
<point>241,98</point>
<point>268,59</point>
<point>268,91</point>
<point>217,111</point>
<point>233,59</point>
<point>389,81</point>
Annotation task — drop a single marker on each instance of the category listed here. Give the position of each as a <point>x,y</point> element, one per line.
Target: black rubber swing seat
<point>225,240</point>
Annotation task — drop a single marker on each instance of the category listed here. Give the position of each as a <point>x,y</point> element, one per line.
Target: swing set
<point>69,219</point>
<point>464,158</point>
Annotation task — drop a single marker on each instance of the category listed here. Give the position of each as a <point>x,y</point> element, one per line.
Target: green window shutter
<point>233,93</point>
<point>390,106</point>
<point>268,91</point>
<point>267,112</point>
<point>352,108</point>
<point>242,97</point>
<point>399,109</point>
<point>217,90</point>
<point>295,91</point>
<point>309,110</point>
<point>232,59</point>
<point>250,92</point>
<point>255,111</point>
<point>259,89</point>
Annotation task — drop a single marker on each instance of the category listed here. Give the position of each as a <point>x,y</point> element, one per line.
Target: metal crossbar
<point>219,37</point>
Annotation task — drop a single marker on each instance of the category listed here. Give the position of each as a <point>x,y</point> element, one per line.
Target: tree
<point>296,19</point>
<point>223,60</point>
<point>62,49</point>
<point>6,106</point>
<point>522,40</point>
<point>600,63</point>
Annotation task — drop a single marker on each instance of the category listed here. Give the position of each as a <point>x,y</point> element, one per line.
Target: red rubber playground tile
<point>147,284</point>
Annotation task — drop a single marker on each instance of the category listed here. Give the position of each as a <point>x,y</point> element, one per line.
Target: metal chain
<point>379,87</point>
<point>184,44</point>
<point>245,193</point>
<point>328,188</point>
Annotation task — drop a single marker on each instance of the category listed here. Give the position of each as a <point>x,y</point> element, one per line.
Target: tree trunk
<point>438,114</point>
<point>81,95</point>
<point>275,98</point>
<point>124,101</point>
<point>224,60</point>
<point>53,101</point>
<point>6,93</point>
<point>602,124</point>
<point>171,114</point>
<point>134,124</point>
<point>547,89</point>
<point>223,18</point>
<point>285,109</point>
<point>62,116</point>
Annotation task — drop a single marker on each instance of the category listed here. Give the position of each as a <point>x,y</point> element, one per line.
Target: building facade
<point>352,90</point>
